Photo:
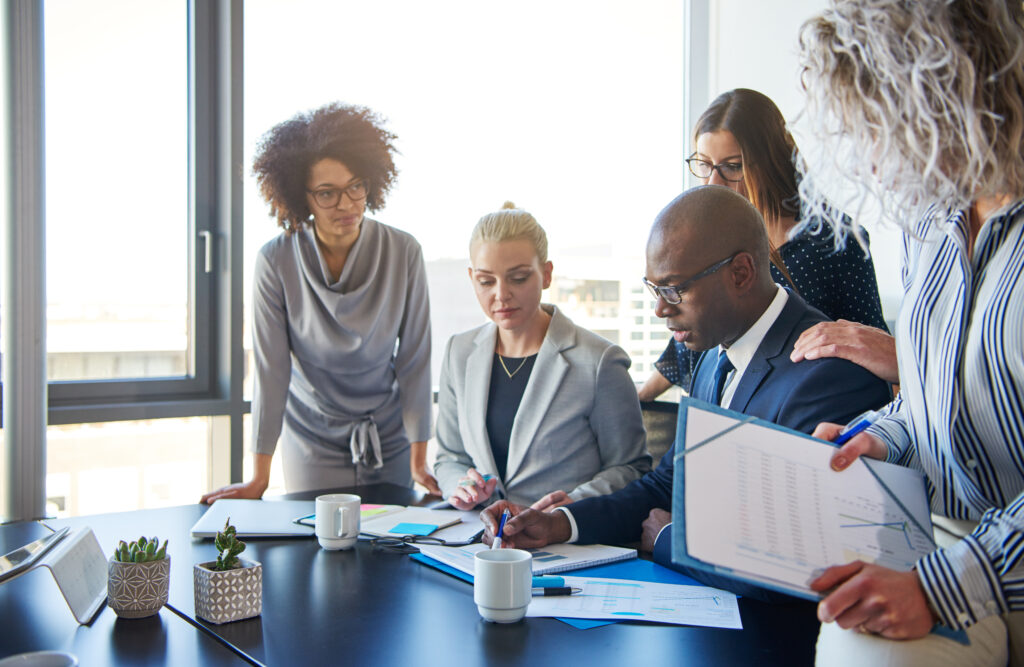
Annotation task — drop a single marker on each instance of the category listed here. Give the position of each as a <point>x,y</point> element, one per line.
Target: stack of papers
<point>546,560</point>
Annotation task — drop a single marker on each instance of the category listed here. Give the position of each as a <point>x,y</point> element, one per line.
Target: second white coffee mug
<point>501,584</point>
<point>337,520</point>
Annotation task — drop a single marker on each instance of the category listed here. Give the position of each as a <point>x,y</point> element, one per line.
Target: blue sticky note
<point>413,529</point>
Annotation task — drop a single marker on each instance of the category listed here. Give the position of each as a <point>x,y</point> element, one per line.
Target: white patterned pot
<point>222,597</point>
<point>138,590</point>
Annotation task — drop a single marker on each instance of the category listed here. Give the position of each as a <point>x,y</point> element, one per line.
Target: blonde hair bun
<point>510,224</point>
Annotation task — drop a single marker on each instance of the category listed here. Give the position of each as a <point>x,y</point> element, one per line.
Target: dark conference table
<point>35,617</point>
<point>375,607</point>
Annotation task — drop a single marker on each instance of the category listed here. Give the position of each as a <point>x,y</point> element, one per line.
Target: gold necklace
<point>509,373</point>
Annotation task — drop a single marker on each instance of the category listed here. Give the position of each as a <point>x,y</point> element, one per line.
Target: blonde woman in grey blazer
<point>531,407</point>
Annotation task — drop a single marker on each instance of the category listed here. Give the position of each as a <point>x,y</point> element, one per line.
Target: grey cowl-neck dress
<point>342,370</point>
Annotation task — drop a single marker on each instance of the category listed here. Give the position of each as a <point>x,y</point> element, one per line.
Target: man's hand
<point>862,444</point>
<point>874,599</point>
<point>652,525</point>
<point>865,346</point>
<point>551,501</point>
<point>527,528</point>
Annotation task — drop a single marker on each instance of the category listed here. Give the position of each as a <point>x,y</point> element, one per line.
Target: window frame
<point>214,197</point>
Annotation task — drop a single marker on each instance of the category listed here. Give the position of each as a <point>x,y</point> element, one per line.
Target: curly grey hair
<point>914,103</point>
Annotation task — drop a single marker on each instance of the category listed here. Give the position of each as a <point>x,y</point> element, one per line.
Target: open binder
<point>758,502</point>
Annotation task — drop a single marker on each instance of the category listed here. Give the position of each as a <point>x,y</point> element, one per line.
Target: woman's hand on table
<point>418,467</point>
<point>551,501</point>
<point>252,489</point>
<point>472,490</point>
<point>865,346</point>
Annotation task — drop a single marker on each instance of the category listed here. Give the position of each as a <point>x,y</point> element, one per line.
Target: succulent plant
<point>229,546</point>
<point>140,550</point>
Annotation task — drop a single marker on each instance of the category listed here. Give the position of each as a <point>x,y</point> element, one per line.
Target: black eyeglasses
<point>730,171</point>
<point>330,197</point>
<point>406,544</point>
<point>673,294</point>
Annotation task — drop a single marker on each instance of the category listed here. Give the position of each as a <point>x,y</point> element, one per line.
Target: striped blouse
<point>960,414</point>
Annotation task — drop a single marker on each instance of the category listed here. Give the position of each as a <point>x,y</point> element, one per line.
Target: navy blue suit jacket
<point>796,395</point>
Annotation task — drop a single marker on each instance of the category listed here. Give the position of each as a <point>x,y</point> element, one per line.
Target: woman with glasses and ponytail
<point>742,143</point>
<point>341,321</point>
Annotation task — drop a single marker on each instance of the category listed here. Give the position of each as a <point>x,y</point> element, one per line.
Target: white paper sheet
<point>624,600</point>
<point>546,560</point>
<point>766,504</point>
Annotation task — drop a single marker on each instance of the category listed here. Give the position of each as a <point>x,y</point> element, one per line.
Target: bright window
<point>122,466</point>
<point>571,110</point>
<point>117,189</point>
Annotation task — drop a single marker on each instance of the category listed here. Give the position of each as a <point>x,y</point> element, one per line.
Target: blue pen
<point>861,422</point>
<point>496,544</point>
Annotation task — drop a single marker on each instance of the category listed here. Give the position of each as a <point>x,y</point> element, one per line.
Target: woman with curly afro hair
<point>341,330</point>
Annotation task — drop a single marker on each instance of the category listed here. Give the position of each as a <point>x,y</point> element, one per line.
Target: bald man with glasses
<point>708,267</point>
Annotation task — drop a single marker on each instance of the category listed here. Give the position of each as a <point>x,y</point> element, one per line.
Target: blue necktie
<point>722,371</point>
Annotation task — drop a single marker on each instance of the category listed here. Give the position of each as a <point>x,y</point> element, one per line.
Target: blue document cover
<point>771,511</point>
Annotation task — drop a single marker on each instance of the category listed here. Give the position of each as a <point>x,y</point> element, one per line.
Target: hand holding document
<point>760,503</point>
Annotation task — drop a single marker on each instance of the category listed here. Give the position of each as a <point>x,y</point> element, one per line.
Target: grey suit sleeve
<point>451,461</point>
<point>412,360</point>
<point>618,428</point>
<point>272,356</point>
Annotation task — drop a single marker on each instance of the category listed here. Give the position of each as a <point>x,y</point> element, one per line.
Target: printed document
<point>623,600</point>
<point>761,503</point>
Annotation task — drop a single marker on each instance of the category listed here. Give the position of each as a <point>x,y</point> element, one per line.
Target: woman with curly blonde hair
<point>920,105</point>
<point>341,330</point>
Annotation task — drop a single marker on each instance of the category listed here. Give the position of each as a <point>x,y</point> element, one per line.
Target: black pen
<point>556,590</point>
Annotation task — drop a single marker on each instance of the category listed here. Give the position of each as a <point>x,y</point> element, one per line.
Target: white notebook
<point>546,560</point>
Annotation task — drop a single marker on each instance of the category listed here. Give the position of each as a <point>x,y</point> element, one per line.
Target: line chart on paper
<point>765,504</point>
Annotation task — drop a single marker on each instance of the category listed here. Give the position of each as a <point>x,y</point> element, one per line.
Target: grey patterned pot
<point>222,597</point>
<point>138,590</point>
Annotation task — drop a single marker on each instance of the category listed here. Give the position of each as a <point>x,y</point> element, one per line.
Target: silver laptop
<point>256,518</point>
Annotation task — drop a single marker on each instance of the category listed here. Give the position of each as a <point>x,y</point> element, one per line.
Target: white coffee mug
<point>337,520</point>
<point>501,584</point>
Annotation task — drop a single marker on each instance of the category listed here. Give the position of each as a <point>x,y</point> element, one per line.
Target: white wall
<point>753,44</point>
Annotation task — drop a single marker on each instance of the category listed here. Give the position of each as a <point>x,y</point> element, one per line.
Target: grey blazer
<point>578,428</point>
